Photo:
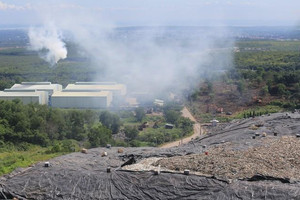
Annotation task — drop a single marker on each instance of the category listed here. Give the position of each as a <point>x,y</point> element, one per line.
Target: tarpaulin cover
<point>85,176</point>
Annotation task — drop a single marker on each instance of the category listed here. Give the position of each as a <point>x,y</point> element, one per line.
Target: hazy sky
<point>160,12</point>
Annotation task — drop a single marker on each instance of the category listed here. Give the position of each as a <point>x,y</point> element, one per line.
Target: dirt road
<point>197,131</point>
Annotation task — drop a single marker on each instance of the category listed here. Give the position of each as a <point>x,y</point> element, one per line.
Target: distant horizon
<point>24,26</point>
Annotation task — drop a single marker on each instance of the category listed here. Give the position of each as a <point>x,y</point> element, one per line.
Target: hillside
<point>265,77</point>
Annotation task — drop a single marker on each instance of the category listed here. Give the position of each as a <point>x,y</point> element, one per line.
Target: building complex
<point>87,95</point>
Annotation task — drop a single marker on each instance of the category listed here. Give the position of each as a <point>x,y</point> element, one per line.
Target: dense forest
<point>274,67</point>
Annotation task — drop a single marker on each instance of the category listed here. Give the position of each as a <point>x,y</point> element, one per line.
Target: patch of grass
<point>207,117</point>
<point>13,159</point>
<point>259,110</point>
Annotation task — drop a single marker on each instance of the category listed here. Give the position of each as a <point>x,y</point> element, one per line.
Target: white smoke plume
<point>149,60</point>
<point>48,41</point>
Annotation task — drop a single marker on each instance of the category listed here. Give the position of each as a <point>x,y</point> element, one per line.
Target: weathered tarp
<point>84,176</point>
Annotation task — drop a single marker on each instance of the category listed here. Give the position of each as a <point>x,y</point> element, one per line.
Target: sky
<point>159,12</point>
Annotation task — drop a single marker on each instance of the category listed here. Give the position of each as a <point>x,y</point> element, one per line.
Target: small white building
<point>84,100</point>
<point>26,96</point>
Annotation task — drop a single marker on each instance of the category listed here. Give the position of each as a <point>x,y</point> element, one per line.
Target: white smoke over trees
<point>48,41</point>
<point>149,59</point>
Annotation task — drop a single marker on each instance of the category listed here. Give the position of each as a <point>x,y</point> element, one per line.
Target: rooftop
<point>36,86</point>
<point>81,94</point>
<point>95,87</point>
<point>20,94</point>
<point>95,83</point>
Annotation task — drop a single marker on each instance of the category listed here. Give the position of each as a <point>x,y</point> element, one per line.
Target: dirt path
<point>197,131</point>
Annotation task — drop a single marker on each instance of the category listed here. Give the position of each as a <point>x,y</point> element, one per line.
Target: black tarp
<point>84,176</point>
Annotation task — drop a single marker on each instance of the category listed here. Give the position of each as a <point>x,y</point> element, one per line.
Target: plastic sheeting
<point>84,176</point>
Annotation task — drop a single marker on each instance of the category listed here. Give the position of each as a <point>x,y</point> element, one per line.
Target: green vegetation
<point>263,72</point>
<point>29,133</point>
<point>20,64</point>
<point>276,71</point>
<point>139,114</point>
<point>155,133</point>
<point>278,67</point>
<point>99,135</point>
<point>110,121</point>
<point>11,158</point>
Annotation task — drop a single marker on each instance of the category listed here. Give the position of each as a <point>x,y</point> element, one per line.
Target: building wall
<point>25,100</point>
<point>81,102</point>
<point>40,97</point>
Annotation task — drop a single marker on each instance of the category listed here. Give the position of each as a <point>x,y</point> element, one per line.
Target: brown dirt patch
<point>277,158</point>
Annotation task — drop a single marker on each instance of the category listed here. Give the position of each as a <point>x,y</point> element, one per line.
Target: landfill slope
<point>84,176</point>
<point>278,157</point>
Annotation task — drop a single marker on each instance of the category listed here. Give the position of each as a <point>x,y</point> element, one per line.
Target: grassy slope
<point>10,160</point>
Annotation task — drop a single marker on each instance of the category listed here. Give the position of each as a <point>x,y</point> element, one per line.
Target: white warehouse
<point>27,96</point>
<point>86,95</point>
<point>85,100</point>
<point>39,86</point>
<point>116,89</point>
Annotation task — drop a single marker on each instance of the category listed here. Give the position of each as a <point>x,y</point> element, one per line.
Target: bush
<point>276,103</point>
<point>172,116</point>
<point>139,114</point>
<point>131,132</point>
<point>99,135</point>
<point>110,121</point>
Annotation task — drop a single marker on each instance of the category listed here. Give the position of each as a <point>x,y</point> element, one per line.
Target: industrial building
<point>38,86</point>
<point>116,89</point>
<point>86,100</point>
<point>27,96</point>
<point>86,95</point>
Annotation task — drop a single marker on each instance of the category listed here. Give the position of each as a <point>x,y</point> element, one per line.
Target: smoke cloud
<point>48,41</point>
<point>147,59</point>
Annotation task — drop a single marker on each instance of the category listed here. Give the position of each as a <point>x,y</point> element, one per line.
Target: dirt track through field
<point>197,130</point>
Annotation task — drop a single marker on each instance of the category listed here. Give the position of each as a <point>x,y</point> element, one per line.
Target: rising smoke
<point>148,59</point>
<point>48,41</point>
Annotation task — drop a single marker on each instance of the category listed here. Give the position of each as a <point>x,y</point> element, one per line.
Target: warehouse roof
<point>90,86</point>
<point>20,94</point>
<point>95,87</point>
<point>37,86</point>
<point>81,94</point>
<point>95,83</point>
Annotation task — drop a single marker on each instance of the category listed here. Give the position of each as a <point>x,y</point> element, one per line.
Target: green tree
<point>264,90</point>
<point>281,89</point>
<point>110,121</point>
<point>139,114</point>
<point>131,132</point>
<point>185,124</point>
<point>171,116</point>
<point>76,126</point>
<point>241,86</point>
<point>99,135</point>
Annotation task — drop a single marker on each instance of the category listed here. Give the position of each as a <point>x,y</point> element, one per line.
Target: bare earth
<point>277,157</point>
<point>197,131</point>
